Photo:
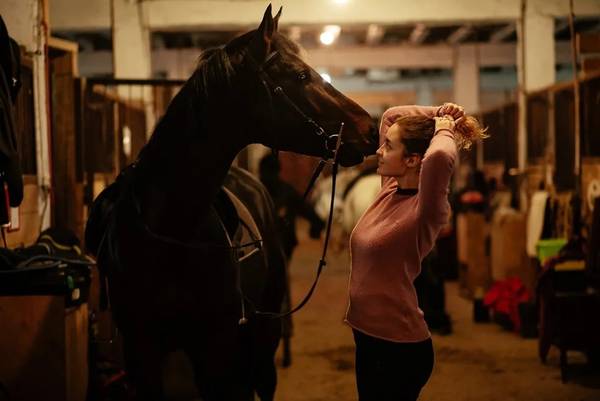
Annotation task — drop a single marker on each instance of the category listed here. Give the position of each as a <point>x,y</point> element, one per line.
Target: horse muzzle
<point>350,156</point>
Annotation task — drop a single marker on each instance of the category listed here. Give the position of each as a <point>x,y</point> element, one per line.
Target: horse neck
<point>185,163</point>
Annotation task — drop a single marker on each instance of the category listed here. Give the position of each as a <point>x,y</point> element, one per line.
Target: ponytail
<point>468,131</point>
<point>418,131</point>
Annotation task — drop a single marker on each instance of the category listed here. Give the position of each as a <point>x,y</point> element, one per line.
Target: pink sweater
<point>391,239</point>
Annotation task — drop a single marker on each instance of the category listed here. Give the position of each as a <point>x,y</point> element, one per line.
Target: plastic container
<point>549,247</point>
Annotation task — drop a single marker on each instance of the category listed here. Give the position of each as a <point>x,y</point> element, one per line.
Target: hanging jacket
<point>9,87</point>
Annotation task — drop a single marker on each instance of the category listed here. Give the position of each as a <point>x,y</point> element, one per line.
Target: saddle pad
<point>247,231</point>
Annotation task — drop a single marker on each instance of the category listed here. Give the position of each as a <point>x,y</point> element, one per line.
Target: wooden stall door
<point>67,191</point>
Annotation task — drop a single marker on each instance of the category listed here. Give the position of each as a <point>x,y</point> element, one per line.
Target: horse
<point>355,190</point>
<point>357,197</point>
<point>321,194</point>
<point>173,275</point>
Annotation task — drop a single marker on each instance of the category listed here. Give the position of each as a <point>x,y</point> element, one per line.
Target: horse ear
<point>264,33</point>
<point>276,19</point>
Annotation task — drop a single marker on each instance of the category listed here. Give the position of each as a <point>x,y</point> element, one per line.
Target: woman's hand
<point>445,122</point>
<point>451,109</point>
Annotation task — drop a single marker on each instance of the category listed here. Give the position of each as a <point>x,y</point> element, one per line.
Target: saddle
<point>241,229</point>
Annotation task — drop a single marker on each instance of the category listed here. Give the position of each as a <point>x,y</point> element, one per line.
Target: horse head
<point>288,104</point>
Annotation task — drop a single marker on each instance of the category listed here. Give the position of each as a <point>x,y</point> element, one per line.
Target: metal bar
<point>115,81</point>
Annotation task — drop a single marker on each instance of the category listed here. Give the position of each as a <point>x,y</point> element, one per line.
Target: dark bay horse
<point>174,280</point>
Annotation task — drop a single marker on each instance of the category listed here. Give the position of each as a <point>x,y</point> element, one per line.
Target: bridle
<point>332,144</point>
<point>322,261</point>
<point>272,90</point>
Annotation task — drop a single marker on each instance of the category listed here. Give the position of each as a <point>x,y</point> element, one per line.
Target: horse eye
<point>303,76</point>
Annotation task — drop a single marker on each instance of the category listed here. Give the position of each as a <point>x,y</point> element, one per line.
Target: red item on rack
<point>505,296</point>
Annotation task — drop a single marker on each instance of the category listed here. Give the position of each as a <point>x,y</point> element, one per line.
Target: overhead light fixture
<point>340,1</point>
<point>335,29</point>
<point>330,34</point>
<point>327,38</point>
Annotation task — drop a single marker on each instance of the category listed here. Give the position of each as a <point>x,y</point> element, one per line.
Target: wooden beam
<point>405,56</point>
<point>372,99</point>
<point>418,34</point>
<point>374,34</point>
<point>460,34</point>
<point>503,33</point>
<point>181,62</point>
<point>66,46</point>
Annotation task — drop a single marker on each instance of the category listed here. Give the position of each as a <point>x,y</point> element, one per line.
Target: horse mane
<point>285,46</point>
<point>214,73</point>
<point>213,79</point>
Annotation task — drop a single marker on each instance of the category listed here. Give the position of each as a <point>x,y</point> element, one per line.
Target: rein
<point>332,144</point>
<point>322,261</point>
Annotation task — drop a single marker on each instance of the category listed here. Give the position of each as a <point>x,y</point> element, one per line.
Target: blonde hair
<point>468,131</point>
<point>417,132</point>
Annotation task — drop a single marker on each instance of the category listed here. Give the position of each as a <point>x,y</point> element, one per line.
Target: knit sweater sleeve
<point>436,170</point>
<point>392,114</point>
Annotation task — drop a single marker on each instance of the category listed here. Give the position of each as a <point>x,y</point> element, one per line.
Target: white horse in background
<point>321,194</point>
<point>358,199</point>
<point>350,202</point>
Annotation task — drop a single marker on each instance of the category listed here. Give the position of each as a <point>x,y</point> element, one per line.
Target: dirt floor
<point>476,362</point>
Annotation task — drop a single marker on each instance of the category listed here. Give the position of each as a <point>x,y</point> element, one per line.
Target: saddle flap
<point>247,231</point>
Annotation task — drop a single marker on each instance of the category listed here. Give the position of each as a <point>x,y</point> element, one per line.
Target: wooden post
<point>67,190</point>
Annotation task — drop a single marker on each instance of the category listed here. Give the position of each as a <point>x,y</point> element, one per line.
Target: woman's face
<point>392,157</point>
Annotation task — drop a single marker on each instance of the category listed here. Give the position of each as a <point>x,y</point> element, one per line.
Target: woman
<point>394,352</point>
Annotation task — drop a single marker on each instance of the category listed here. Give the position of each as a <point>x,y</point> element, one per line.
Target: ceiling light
<point>335,29</point>
<point>340,1</point>
<point>327,38</point>
<point>330,34</point>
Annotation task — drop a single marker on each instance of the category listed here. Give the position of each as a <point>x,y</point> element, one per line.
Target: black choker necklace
<point>407,191</point>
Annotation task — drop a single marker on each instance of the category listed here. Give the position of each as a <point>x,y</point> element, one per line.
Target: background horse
<point>357,197</point>
<point>356,188</point>
<point>174,280</point>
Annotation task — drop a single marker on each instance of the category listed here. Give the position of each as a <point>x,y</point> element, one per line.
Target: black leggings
<point>389,371</point>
